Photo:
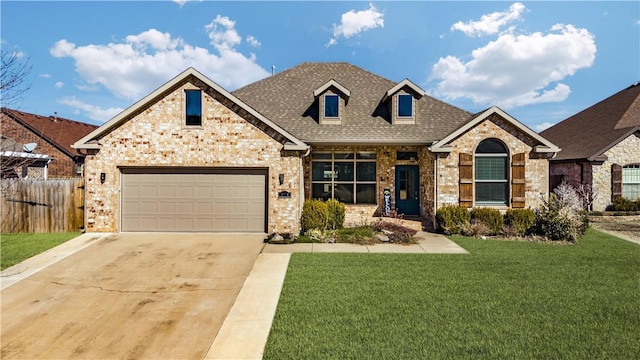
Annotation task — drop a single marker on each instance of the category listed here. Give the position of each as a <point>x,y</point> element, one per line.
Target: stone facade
<point>536,167</point>
<point>626,152</point>
<point>157,136</point>
<point>62,166</point>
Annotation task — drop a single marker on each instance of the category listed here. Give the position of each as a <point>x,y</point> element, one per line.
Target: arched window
<point>491,173</point>
<point>631,182</point>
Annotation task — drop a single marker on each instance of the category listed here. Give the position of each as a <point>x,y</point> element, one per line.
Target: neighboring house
<point>52,134</point>
<point>22,161</point>
<point>600,148</point>
<point>192,156</point>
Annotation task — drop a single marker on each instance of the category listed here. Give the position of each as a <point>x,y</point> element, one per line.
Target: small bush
<point>624,204</point>
<point>556,220</point>
<point>315,215</point>
<point>477,229</point>
<point>491,218</point>
<point>336,214</point>
<point>451,218</point>
<point>519,221</point>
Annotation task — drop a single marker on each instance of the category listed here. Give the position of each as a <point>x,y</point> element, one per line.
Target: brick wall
<point>61,166</point>
<point>157,136</point>
<point>536,169</point>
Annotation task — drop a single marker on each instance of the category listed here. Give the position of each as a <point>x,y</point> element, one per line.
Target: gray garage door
<point>155,200</point>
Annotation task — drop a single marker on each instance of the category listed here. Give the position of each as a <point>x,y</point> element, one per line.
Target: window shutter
<point>616,182</point>
<point>517,181</point>
<point>465,169</point>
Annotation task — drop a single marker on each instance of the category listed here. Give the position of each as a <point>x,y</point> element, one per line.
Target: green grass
<point>506,300</point>
<point>15,248</point>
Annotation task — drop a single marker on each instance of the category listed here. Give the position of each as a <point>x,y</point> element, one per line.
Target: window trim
<point>186,108</point>
<point>398,107</point>
<point>337,97</point>
<point>354,160</point>
<point>504,181</point>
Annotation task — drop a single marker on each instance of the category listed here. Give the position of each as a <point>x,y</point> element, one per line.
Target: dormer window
<point>331,106</point>
<point>193,106</point>
<point>405,105</point>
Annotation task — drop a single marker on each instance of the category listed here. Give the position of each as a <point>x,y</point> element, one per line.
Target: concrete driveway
<point>154,296</point>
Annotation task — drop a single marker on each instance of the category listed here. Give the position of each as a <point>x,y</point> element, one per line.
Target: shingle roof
<point>287,99</point>
<point>596,129</point>
<point>58,131</point>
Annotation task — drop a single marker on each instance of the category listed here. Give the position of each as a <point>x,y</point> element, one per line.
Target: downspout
<point>46,169</point>
<point>435,190</point>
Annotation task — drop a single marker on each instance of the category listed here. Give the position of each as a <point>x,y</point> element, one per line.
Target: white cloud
<point>45,75</point>
<point>251,40</point>
<point>491,23</point>
<point>93,112</point>
<point>354,22</point>
<point>58,84</point>
<point>182,2</point>
<point>514,71</point>
<point>141,62</point>
<point>543,126</point>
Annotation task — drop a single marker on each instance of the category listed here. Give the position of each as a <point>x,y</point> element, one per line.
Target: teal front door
<point>407,189</point>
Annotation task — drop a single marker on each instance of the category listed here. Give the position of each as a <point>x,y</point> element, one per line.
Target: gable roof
<point>329,84</point>
<point>58,131</point>
<point>545,145</point>
<point>400,85</point>
<point>91,141</point>
<point>591,132</point>
<point>287,98</point>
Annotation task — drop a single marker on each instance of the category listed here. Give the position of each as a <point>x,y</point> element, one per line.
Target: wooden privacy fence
<point>30,206</point>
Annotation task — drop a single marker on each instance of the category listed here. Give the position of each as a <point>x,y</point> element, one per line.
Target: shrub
<point>315,215</point>
<point>519,221</point>
<point>491,218</point>
<point>477,229</point>
<point>556,220</point>
<point>336,214</point>
<point>624,204</point>
<point>451,218</point>
<point>568,196</point>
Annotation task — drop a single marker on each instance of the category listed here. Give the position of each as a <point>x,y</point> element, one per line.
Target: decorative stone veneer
<point>385,178</point>
<point>536,169</point>
<point>157,136</point>
<point>626,152</point>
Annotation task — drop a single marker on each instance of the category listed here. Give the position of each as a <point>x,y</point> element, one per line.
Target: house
<point>52,135</point>
<point>192,156</point>
<point>21,161</point>
<point>600,148</point>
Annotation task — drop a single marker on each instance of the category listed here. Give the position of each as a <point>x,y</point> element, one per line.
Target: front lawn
<point>15,248</point>
<point>506,299</point>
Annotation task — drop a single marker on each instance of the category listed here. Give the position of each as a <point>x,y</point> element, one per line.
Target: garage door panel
<point>193,202</point>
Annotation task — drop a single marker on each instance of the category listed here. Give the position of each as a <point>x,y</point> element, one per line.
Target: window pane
<point>321,171</point>
<point>322,156</point>
<point>194,107</point>
<point>491,192</point>
<point>343,156</point>
<point>368,155</point>
<point>366,171</point>
<point>491,168</point>
<point>631,191</point>
<point>365,193</point>
<point>406,155</point>
<point>405,105</point>
<point>331,105</point>
<point>631,174</point>
<point>344,193</point>
<point>344,171</point>
<point>321,191</point>
<point>491,147</point>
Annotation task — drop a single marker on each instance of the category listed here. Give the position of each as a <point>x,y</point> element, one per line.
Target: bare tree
<point>14,77</point>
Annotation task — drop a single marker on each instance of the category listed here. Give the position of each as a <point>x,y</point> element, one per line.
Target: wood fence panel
<point>30,206</point>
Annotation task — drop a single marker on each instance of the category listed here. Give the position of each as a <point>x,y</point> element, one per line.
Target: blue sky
<point>540,61</point>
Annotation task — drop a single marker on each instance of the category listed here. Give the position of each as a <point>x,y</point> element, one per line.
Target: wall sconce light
<point>103,177</point>
<point>281,179</point>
